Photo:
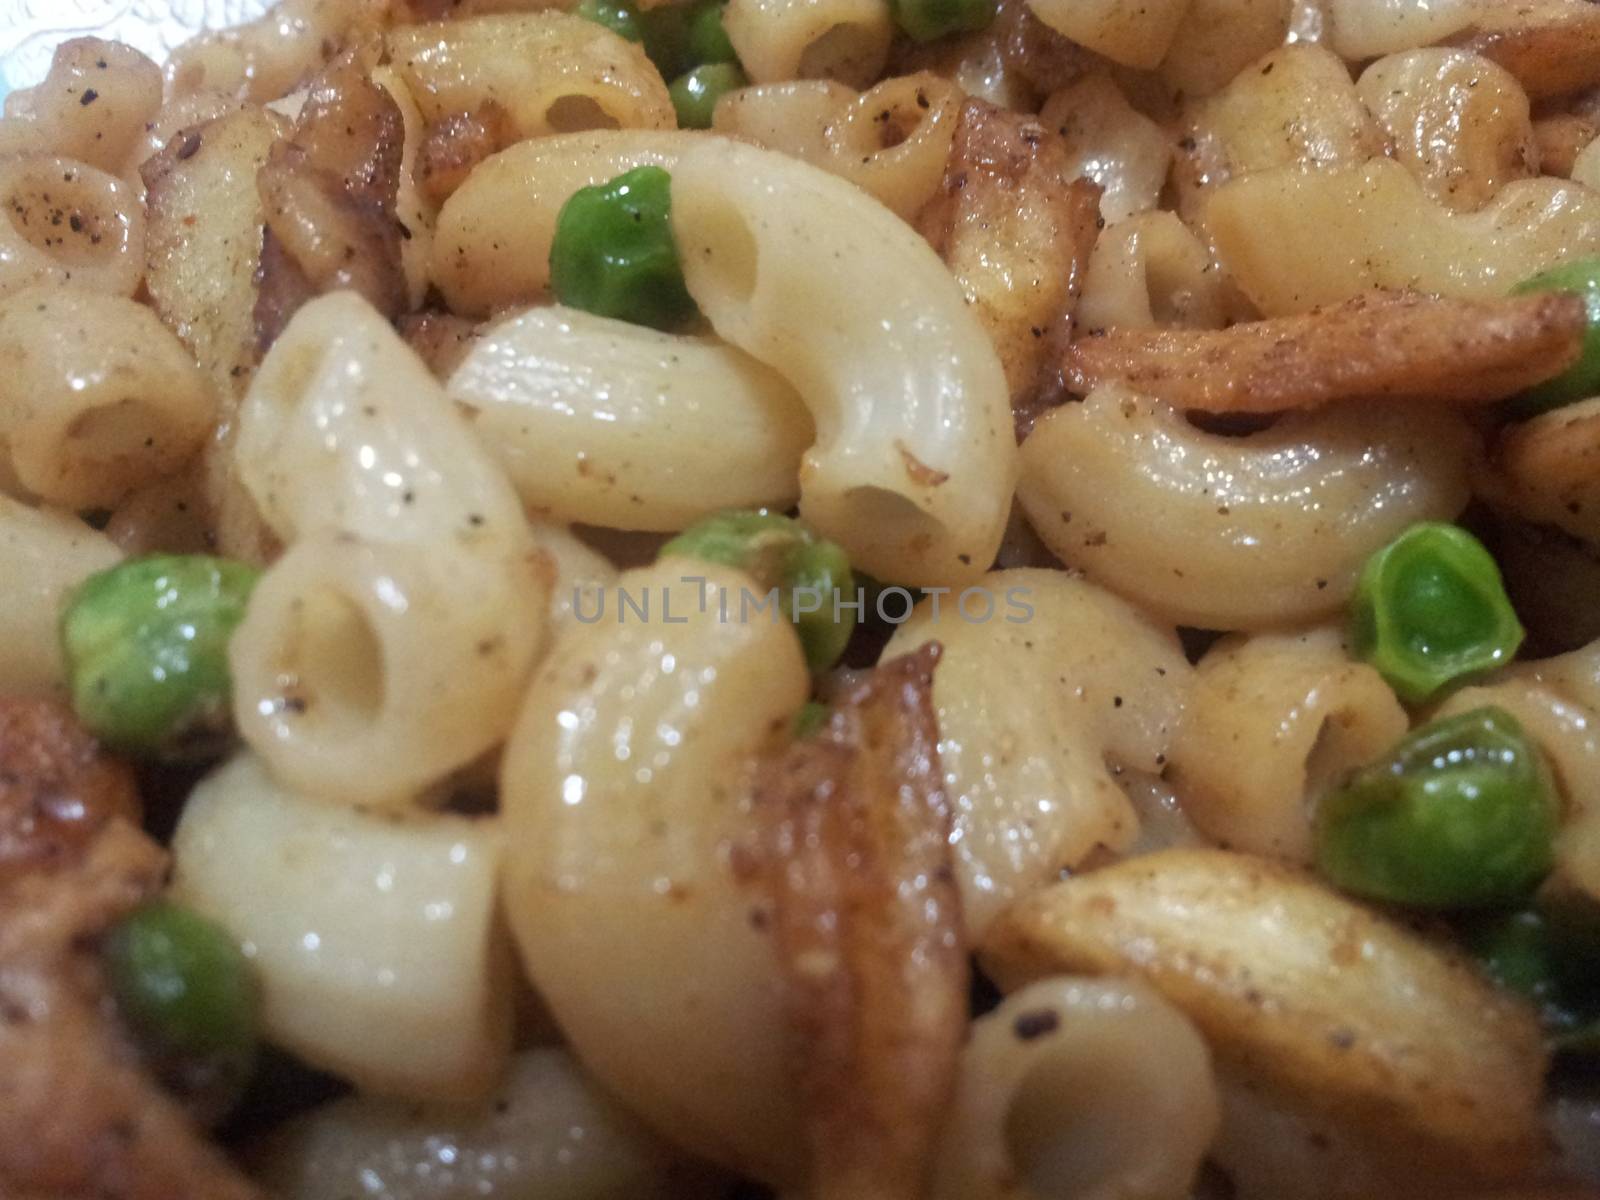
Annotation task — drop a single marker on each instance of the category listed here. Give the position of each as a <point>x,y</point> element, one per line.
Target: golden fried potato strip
<point>867,923</point>
<point>1394,345</point>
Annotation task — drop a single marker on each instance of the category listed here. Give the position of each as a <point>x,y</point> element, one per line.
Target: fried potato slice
<point>1015,226</point>
<point>1312,996</point>
<point>1398,345</point>
<point>867,922</point>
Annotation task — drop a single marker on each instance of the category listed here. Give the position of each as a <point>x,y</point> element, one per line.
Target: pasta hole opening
<point>577,114</point>
<point>729,270</point>
<point>338,660</point>
<point>1074,1128</point>
<point>870,513</point>
<point>1347,740</point>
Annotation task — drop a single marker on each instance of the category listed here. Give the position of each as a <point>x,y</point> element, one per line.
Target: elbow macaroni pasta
<point>551,72</point>
<point>492,249</point>
<point>846,40</point>
<point>376,939</point>
<point>914,462</point>
<point>385,648</point>
<point>1301,713</point>
<point>891,141</point>
<point>96,397</point>
<point>94,104</point>
<point>65,222</point>
<point>625,785</point>
<point>1025,1125</point>
<point>1170,517</point>
<point>612,424</point>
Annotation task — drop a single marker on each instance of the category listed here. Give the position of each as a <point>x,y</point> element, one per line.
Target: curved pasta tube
<point>1460,122</point>
<point>891,141</point>
<point>387,646</point>
<point>364,671</point>
<point>1036,704</point>
<point>375,939</point>
<point>1135,35</point>
<point>1297,239</point>
<point>345,429</point>
<point>1294,107</point>
<point>623,792</point>
<point>1300,713</point>
<point>65,222</point>
<point>847,40</point>
<point>1144,503</point>
<point>492,247</point>
<point>123,90</point>
<point>545,1134</point>
<point>915,459</point>
<point>551,72</point>
<point>1149,270</point>
<point>96,396</point>
<point>613,424</point>
<point>1025,1126</point>
<point>44,554</point>
<point>1110,142</point>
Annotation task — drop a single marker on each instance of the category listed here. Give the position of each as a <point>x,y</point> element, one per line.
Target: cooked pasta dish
<point>817,599</point>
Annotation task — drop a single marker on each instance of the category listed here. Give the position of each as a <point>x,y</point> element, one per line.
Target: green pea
<point>696,93</point>
<point>782,555</point>
<point>811,717</point>
<point>1582,379</point>
<point>925,20</point>
<point>1430,609</point>
<point>188,992</point>
<point>146,647</point>
<point>613,252</point>
<point>618,16</point>
<point>1461,814</point>
<point>708,37</point>
<point>1549,953</point>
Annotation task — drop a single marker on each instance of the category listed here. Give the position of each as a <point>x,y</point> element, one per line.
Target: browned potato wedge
<point>205,239</point>
<point>1551,46</point>
<point>1317,998</point>
<point>205,234</point>
<point>1387,344</point>
<point>1547,470</point>
<point>1015,227</point>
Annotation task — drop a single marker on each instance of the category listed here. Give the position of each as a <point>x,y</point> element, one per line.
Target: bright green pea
<point>1461,814</point>
<point>146,646</point>
<point>613,252</point>
<point>811,717</point>
<point>781,554</point>
<point>1582,379</point>
<point>696,93</point>
<point>618,16</point>
<point>1430,609</point>
<point>925,20</point>
<point>708,37</point>
<point>187,990</point>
